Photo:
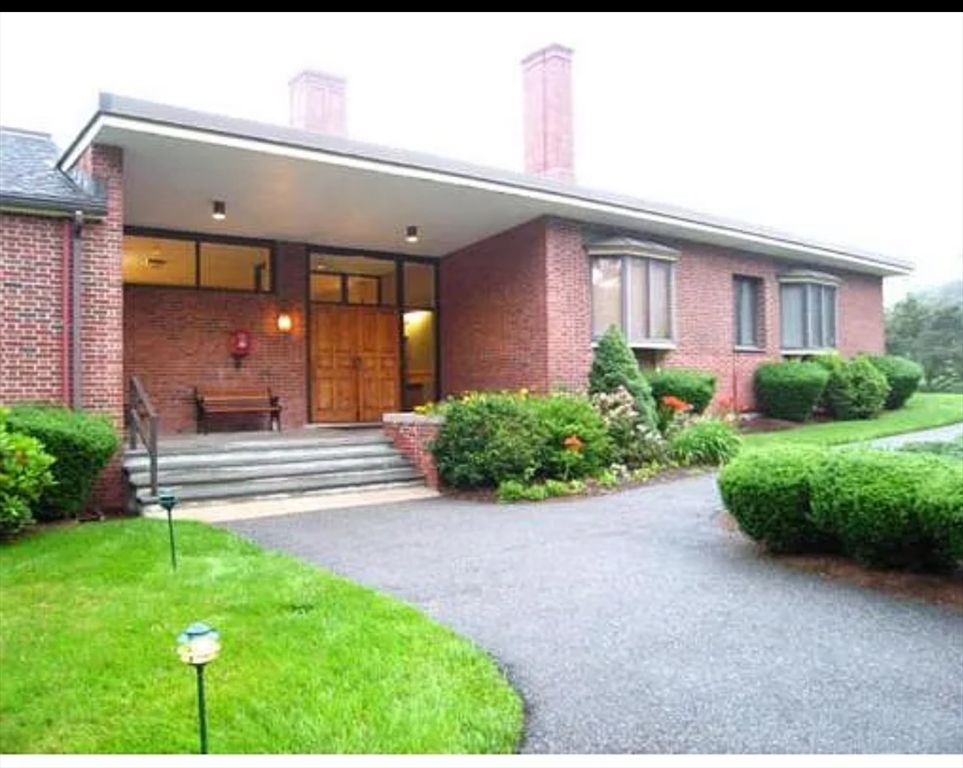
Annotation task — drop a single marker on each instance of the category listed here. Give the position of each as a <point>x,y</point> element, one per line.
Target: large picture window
<point>632,289</point>
<point>807,309</point>
<point>191,263</point>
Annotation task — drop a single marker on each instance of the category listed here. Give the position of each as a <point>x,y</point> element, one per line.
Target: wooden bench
<point>215,401</point>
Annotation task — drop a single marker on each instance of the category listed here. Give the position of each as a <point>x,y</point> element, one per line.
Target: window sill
<point>807,352</point>
<point>749,349</point>
<point>657,345</point>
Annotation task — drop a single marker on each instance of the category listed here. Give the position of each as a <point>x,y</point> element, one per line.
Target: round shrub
<point>81,444</point>
<point>488,437</point>
<point>873,501</point>
<point>576,441</point>
<point>902,375</point>
<point>789,390</point>
<point>767,492</point>
<point>694,387</point>
<point>706,442</point>
<point>614,366</point>
<point>857,389</point>
<point>24,476</point>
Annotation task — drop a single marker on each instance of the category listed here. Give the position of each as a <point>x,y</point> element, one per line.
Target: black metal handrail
<point>143,422</point>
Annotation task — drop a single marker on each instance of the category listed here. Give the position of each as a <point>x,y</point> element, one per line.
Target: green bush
<point>634,443</point>
<point>82,445</point>
<point>694,387</point>
<point>789,390</point>
<point>614,366</point>
<point>24,476</point>
<point>706,442</point>
<point>857,389</point>
<point>577,443</point>
<point>902,375</point>
<point>940,509</point>
<point>488,437</point>
<point>513,490</point>
<point>878,505</point>
<point>767,492</point>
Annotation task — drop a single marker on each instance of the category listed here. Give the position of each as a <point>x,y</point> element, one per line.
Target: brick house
<point>369,280</point>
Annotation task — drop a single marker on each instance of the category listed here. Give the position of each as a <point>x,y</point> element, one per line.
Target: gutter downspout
<point>65,331</point>
<point>77,247</point>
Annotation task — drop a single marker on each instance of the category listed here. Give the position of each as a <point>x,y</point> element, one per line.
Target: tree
<point>613,366</point>
<point>928,328</point>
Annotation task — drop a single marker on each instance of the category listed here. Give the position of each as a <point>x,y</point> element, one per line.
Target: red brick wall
<point>705,322</point>
<point>102,312</point>
<point>493,313</point>
<point>179,338</point>
<point>32,341</point>
<point>862,327</point>
<point>569,306</point>
<point>412,434</point>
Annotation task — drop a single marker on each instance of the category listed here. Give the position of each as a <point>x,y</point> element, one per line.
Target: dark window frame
<point>197,238</point>
<point>751,286</point>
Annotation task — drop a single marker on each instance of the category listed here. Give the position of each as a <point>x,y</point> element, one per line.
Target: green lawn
<point>310,663</point>
<point>924,410</point>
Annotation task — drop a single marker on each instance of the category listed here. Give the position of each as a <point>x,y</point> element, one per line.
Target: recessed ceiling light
<point>411,234</point>
<point>220,210</point>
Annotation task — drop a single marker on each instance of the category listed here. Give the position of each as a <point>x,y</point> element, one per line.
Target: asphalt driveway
<point>638,623</point>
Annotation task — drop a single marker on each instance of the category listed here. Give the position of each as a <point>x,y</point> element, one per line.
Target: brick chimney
<point>318,103</point>
<point>547,85</point>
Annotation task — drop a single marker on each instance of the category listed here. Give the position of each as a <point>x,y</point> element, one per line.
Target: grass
<point>923,411</point>
<point>310,663</point>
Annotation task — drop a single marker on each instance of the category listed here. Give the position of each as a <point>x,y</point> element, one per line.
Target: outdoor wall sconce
<point>411,234</point>
<point>219,211</point>
<point>199,645</point>
<point>285,323</point>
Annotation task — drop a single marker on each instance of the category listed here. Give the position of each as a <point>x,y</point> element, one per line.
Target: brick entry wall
<point>178,338</point>
<point>493,301</point>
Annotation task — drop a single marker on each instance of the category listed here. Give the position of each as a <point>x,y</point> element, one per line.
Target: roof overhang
<point>285,184</point>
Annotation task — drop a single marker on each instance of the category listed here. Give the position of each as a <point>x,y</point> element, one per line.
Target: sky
<point>846,128</point>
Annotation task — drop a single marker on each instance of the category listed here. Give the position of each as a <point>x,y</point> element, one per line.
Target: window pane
<point>606,295</point>
<point>638,299</point>
<point>747,308</point>
<point>659,290</point>
<point>420,333</point>
<point>158,261</point>
<point>814,315</point>
<point>829,316</point>
<point>236,267</point>
<point>419,286</point>
<point>791,312</point>
<point>362,290</point>
<point>326,288</point>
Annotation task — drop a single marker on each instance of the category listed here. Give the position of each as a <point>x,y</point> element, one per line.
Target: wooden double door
<point>355,368</point>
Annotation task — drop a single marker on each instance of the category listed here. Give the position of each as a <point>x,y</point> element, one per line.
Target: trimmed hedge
<point>767,492</point>
<point>891,509</point>
<point>789,390</point>
<point>81,444</point>
<point>695,387</point>
<point>857,389</point>
<point>903,376</point>
<point>708,442</point>
<point>614,366</point>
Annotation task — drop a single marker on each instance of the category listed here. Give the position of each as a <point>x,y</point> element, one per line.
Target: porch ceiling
<point>285,184</point>
<point>170,183</point>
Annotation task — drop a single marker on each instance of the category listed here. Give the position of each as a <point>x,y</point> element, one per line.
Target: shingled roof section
<point>31,182</point>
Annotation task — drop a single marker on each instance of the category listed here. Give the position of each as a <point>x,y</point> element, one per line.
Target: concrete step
<point>267,486</point>
<point>269,454</point>
<point>218,473</point>
<point>270,506</point>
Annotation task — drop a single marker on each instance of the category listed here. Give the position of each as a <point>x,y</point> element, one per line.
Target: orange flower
<point>573,443</point>
<point>676,404</point>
